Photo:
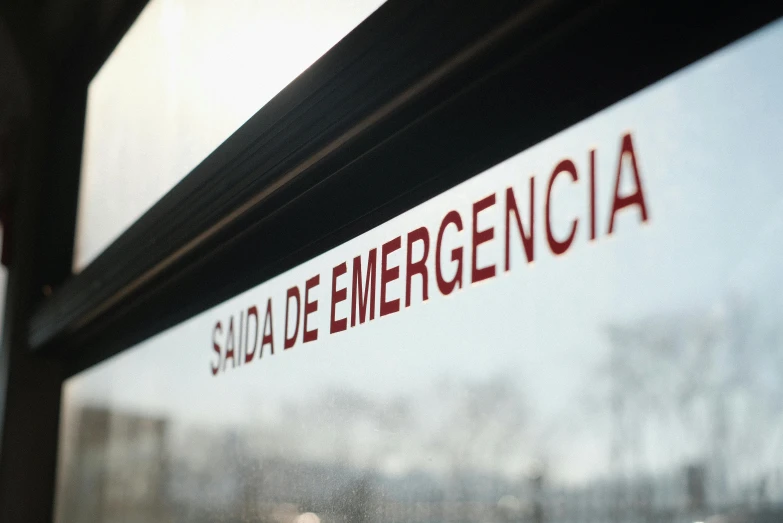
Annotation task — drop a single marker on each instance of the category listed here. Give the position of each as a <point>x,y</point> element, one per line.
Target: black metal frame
<point>418,98</point>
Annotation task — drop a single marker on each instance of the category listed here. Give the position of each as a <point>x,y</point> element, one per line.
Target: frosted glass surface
<point>186,75</point>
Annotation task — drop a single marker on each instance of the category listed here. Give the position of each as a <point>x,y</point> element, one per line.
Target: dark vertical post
<point>41,237</point>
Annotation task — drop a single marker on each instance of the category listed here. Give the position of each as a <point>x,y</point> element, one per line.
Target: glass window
<point>3,289</point>
<point>185,76</point>
<point>589,331</point>
<point>3,285</point>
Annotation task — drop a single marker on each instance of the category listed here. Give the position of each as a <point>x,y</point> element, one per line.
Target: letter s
<point>216,347</point>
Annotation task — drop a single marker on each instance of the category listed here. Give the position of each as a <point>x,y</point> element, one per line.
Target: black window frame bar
<point>418,98</point>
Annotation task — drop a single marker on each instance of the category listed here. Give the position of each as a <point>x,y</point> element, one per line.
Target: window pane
<point>187,75</point>
<point>616,359</point>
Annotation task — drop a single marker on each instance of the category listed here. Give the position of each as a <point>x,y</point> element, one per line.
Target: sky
<point>707,142</point>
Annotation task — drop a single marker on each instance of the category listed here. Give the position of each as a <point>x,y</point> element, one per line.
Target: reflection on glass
<point>3,283</point>
<point>636,378</point>
<point>185,76</point>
